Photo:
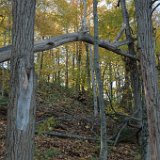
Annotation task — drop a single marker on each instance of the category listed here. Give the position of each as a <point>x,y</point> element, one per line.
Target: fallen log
<point>47,44</point>
<point>68,117</point>
<point>71,136</point>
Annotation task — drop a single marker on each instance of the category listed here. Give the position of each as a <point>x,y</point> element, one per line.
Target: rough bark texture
<point>21,110</point>
<point>149,73</point>
<point>103,149</point>
<point>145,144</point>
<point>43,45</point>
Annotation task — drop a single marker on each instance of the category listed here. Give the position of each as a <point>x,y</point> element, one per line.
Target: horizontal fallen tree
<point>47,44</point>
<point>68,135</point>
<point>73,136</point>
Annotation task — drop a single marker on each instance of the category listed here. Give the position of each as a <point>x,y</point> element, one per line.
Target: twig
<point>120,33</point>
<point>119,133</point>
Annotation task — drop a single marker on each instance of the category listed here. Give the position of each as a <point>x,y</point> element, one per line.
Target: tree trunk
<point>132,64</point>
<point>78,57</point>
<point>66,68</point>
<point>21,110</point>
<point>59,70</point>
<point>87,67</point>
<point>94,83</point>
<point>145,144</point>
<point>149,73</point>
<point>40,67</point>
<point>103,150</point>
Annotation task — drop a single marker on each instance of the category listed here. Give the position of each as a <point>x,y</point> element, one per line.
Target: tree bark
<point>149,73</point>
<point>94,83</point>
<point>21,110</point>
<point>103,149</point>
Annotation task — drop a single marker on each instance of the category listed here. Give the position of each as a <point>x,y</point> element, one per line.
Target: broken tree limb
<point>43,45</point>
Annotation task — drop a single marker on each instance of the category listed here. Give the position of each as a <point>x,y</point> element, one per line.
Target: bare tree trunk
<point>145,144</point>
<point>87,67</point>
<point>94,83</point>
<point>59,70</point>
<point>149,73</point>
<point>73,67</point>
<point>3,70</point>
<point>110,84</point>
<point>40,67</point>
<point>78,57</point>
<point>66,70</point>
<point>103,150</point>
<point>21,110</point>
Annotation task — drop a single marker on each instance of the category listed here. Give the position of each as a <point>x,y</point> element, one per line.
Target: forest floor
<point>65,130</point>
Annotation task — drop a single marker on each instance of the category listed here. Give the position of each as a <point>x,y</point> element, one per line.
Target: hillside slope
<point>66,129</point>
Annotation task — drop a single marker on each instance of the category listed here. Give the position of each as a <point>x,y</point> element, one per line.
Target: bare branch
<point>119,133</point>
<point>43,45</point>
<point>153,2</point>
<point>118,3</point>
<point>120,33</point>
<point>121,43</point>
<point>155,8</point>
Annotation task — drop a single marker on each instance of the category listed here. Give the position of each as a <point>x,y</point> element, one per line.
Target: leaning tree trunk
<point>149,73</point>
<point>103,150</point>
<point>21,110</point>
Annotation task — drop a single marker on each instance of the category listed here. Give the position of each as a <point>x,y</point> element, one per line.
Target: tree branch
<point>120,32</point>
<point>153,2</point>
<point>43,45</point>
<point>121,43</point>
<point>155,8</point>
<point>118,3</point>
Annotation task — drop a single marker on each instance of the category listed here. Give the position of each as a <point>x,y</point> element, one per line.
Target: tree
<point>23,64</point>
<point>149,73</point>
<point>103,150</point>
<point>21,110</point>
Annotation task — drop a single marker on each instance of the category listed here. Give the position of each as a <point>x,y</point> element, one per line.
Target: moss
<point>47,125</point>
